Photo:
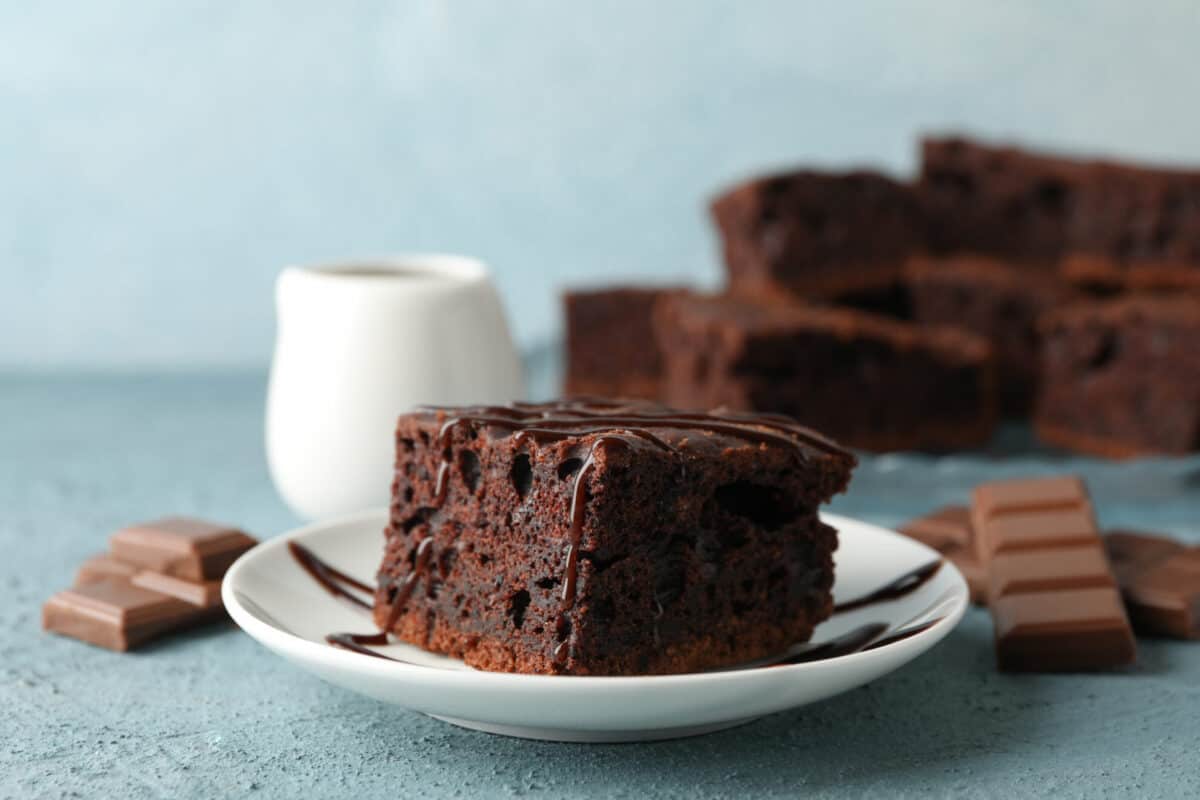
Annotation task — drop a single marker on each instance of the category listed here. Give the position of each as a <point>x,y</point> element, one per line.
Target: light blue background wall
<point>159,161</point>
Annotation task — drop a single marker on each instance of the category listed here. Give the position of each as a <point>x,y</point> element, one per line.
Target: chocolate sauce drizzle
<point>857,640</point>
<point>331,579</point>
<point>905,584</point>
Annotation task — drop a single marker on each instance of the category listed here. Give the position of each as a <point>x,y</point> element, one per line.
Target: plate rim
<point>285,642</point>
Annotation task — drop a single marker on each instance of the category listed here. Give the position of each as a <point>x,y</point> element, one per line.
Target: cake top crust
<point>644,425</point>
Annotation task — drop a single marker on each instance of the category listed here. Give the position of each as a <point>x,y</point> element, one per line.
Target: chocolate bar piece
<point>1048,570</point>
<point>186,548</point>
<point>1062,631</point>
<point>103,566</point>
<point>1132,551</point>
<point>948,530</point>
<point>1160,581</point>
<point>1036,513</point>
<point>203,594</point>
<point>114,613</point>
<point>1053,597</point>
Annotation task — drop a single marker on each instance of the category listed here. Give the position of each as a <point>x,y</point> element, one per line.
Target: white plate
<point>274,600</point>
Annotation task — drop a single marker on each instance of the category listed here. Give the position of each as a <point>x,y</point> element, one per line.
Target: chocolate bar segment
<point>102,566</point>
<point>1160,581</point>
<point>1048,570</point>
<point>1067,631</point>
<point>114,613</point>
<point>1165,599</point>
<point>1032,513</point>
<point>948,530</point>
<point>185,548</point>
<point>1130,552</point>
<point>203,594</point>
<point>1052,594</point>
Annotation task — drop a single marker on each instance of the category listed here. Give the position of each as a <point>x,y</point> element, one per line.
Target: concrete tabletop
<point>212,714</point>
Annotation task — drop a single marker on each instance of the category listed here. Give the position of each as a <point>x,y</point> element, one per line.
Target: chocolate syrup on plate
<point>857,640</point>
<point>907,583</point>
<point>332,580</point>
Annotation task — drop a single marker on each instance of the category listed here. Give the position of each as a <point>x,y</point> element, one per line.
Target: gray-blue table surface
<point>212,714</point>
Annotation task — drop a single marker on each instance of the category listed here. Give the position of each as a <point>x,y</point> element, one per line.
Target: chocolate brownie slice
<point>997,200</point>
<point>601,539</point>
<point>1136,227</point>
<point>610,348</point>
<point>1121,378</point>
<point>998,301</point>
<point>872,382</point>
<point>1112,225</point>
<point>817,234</point>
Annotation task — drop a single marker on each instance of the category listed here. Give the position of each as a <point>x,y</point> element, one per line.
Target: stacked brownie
<point>607,538</point>
<point>807,361</point>
<point>1122,377</point>
<point>803,233</point>
<point>1006,282</point>
<point>605,322</point>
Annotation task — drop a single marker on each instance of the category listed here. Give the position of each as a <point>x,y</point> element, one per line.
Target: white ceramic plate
<point>274,600</point>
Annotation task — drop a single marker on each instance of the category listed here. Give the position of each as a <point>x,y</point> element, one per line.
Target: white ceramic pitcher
<point>359,343</point>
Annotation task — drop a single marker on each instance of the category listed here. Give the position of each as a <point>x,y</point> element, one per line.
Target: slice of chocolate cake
<point>998,301</point>
<point>873,382</point>
<point>602,539</point>
<point>610,350</point>
<point>1121,378</point>
<point>817,234</point>
<point>1136,226</point>
<point>997,200</point>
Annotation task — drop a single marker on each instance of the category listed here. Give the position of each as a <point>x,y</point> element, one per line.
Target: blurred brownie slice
<point>817,234</point>
<point>1136,227</point>
<point>997,200</point>
<point>605,539</point>
<point>610,349</point>
<point>998,301</point>
<point>1121,378</point>
<point>872,382</point>
<point>1111,225</point>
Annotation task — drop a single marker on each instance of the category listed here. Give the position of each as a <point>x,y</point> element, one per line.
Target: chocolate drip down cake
<point>607,539</point>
